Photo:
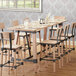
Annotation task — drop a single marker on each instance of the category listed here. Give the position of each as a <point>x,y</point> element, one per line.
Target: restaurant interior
<point>37,38</point>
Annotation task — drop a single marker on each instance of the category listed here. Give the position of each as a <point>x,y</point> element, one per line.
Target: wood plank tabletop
<point>34,27</point>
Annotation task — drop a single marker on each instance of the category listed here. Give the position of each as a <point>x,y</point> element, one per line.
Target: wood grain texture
<point>35,28</point>
<point>2,26</point>
<point>67,70</point>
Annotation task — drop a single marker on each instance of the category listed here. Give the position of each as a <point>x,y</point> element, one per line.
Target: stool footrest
<point>1,65</point>
<point>72,48</point>
<point>48,59</point>
<point>30,60</point>
<point>62,55</point>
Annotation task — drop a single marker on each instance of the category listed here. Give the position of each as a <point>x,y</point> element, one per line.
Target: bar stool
<point>71,35</point>
<point>52,44</point>
<point>68,37</point>
<point>23,35</point>
<point>10,47</point>
<point>2,26</point>
<point>15,23</point>
<point>63,38</point>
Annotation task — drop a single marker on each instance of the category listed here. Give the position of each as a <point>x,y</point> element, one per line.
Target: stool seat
<point>14,46</point>
<point>54,28</point>
<point>49,42</point>
<point>63,38</point>
<point>69,35</point>
<point>55,38</point>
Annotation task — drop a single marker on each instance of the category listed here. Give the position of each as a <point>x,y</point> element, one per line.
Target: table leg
<point>35,52</point>
<point>16,38</point>
<point>0,43</point>
<point>45,33</point>
<point>29,48</point>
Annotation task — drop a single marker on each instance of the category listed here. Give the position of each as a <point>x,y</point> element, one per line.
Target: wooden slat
<point>13,46</point>
<point>2,26</point>
<point>6,35</point>
<point>49,42</point>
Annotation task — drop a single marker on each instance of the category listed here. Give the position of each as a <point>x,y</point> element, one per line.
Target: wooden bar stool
<point>53,48</point>
<point>23,35</point>
<point>2,26</point>
<point>10,47</point>
<point>71,35</point>
<point>63,38</point>
<point>67,37</point>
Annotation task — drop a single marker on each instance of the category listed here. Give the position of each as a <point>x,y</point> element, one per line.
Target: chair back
<point>58,34</point>
<point>65,31</point>
<point>7,36</point>
<point>73,28</point>
<point>2,26</point>
<point>61,32</point>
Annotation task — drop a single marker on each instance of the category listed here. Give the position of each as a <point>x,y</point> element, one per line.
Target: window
<point>25,5</point>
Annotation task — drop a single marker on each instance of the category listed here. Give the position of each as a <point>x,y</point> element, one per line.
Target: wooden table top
<point>36,26</point>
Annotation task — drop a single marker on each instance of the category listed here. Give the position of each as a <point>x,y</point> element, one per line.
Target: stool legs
<point>5,56</point>
<point>54,64</point>
<point>9,61</point>
<point>0,44</point>
<point>1,62</point>
<point>66,52</point>
<point>22,61</point>
<point>62,44</point>
<point>15,70</point>
<point>69,49</point>
<point>39,36</point>
<point>40,57</point>
<point>73,42</point>
<point>59,56</point>
<point>24,42</point>
<point>46,52</point>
